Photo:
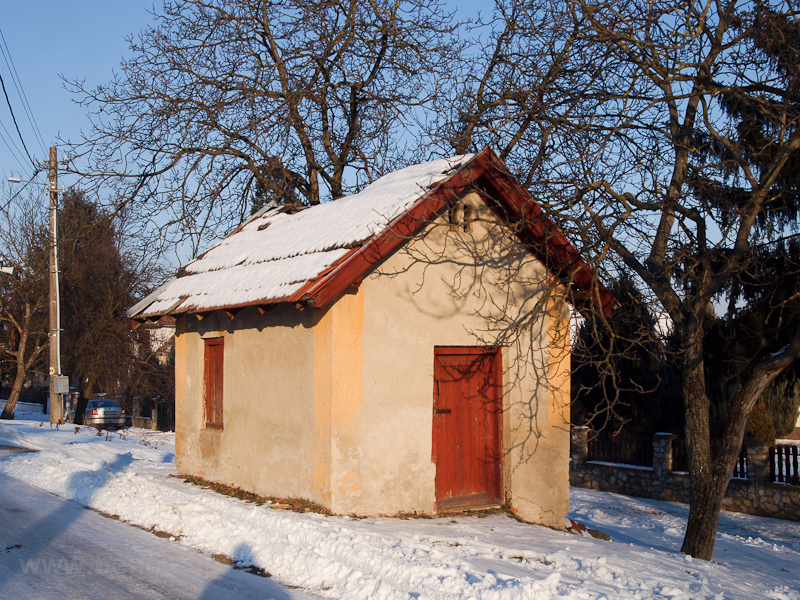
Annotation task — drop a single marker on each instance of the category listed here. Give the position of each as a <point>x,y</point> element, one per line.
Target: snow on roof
<point>276,253</point>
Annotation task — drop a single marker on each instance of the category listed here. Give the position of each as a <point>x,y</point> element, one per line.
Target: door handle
<point>443,411</point>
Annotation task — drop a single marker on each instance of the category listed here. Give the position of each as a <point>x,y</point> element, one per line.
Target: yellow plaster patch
<point>558,376</point>
<point>323,384</point>
<point>348,327</point>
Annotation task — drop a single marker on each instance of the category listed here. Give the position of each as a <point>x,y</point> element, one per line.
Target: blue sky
<point>81,39</point>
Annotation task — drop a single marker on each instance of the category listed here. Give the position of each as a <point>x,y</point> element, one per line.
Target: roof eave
<point>485,172</point>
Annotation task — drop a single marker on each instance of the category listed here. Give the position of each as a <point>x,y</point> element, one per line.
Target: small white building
<point>401,350</point>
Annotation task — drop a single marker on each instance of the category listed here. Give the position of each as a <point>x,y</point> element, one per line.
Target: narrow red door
<point>214,353</point>
<point>466,426</point>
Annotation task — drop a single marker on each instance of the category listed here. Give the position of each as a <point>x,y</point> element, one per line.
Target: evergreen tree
<point>97,287</point>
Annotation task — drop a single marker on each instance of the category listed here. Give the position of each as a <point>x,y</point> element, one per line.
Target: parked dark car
<point>102,413</point>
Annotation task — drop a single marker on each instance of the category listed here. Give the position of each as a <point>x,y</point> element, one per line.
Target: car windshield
<point>103,404</point>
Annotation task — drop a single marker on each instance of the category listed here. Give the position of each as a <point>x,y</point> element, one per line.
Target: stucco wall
<point>462,288</point>
<point>538,431</point>
<point>274,440</point>
<point>338,395</point>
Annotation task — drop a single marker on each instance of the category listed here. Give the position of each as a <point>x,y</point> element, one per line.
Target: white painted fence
<point>28,407</point>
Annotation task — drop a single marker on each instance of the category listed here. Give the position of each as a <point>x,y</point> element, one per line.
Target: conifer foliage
<point>97,287</point>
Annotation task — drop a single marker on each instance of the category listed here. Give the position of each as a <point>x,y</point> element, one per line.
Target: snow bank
<point>495,557</point>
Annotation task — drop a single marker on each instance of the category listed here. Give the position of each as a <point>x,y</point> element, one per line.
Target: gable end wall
<point>424,296</point>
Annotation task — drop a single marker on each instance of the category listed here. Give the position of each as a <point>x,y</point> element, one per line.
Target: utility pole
<point>58,384</point>
<point>56,404</point>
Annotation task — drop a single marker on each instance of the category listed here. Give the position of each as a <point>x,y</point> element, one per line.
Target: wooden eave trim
<point>162,320</point>
<point>543,237</point>
<point>468,350</point>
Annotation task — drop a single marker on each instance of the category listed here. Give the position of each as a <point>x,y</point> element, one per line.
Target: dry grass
<point>295,504</point>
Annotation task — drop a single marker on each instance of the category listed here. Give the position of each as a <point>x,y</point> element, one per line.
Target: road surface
<point>51,548</point>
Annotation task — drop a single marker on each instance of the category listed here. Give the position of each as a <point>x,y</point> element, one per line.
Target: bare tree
<point>618,115</point>
<point>228,104</point>
<point>23,295</point>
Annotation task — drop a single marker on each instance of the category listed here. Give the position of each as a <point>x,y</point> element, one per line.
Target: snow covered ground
<point>494,557</point>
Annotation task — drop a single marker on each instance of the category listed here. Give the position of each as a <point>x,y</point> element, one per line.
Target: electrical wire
<point>21,91</point>
<point>12,147</point>
<point>8,202</point>
<point>14,118</point>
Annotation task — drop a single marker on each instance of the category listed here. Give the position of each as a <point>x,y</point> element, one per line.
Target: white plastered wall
<point>459,288</point>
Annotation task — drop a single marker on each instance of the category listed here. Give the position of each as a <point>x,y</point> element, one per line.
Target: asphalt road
<point>53,548</point>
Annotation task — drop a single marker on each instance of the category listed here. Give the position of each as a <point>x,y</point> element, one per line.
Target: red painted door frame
<point>467,426</point>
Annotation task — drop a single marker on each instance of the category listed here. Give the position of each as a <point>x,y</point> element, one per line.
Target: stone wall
<point>755,495</point>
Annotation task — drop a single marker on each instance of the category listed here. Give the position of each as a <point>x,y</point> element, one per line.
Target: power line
<point>21,91</point>
<point>12,147</point>
<point>21,189</point>
<point>14,118</point>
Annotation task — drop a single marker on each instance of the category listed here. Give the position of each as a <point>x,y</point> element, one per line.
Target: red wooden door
<point>466,426</point>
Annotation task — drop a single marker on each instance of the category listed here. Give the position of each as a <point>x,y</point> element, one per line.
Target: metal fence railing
<point>622,448</point>
<point>634,449</point>
<point>783,462</point>
<point>680,459</point>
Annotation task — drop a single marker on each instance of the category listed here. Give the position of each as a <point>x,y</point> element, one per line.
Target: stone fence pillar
<point>580,444</point>
<point>137,408</point>
<point>662,454</point>
<point>758,462</point>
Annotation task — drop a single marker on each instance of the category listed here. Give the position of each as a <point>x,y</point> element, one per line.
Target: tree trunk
<point>16,390</point>
<point>705,504</point>
<point>706,491</point>
<point>85,389</point>
<point>709,477</point>
<point>19,378</point>
<point>701,528</point>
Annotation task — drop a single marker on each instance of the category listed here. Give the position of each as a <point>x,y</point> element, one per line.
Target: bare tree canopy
<point>662,136</point>
<point>227,104</point>
<point>23,294</point>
